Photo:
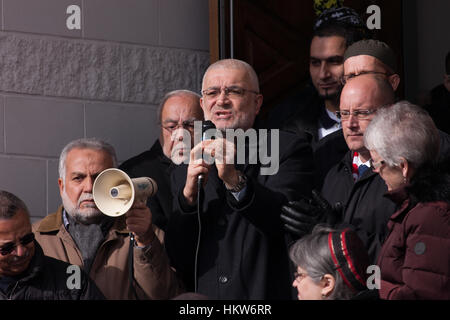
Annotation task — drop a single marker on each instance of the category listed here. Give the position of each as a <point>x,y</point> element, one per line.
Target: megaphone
<point>114,192</point>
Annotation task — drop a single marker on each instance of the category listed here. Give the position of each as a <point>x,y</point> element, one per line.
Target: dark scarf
<point>88,237</point>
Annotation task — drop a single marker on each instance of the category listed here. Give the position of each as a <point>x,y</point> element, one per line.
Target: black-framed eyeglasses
<point>349,76</point>
<point>359,114</point>
<point>376,165</point>
<point>232,92</point>
<point>9,247</point>
<point>172,126</point>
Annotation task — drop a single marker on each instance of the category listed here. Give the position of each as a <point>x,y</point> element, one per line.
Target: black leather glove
<point>300,217</point>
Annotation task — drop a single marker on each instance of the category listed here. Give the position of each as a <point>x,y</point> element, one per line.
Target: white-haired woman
<point>415,258</point>
<point>331,265</point>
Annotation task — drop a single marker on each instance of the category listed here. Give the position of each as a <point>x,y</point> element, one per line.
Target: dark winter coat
<point>242,252</point>
<point>415,258</point>
<point>364,207</point>
<point>154,164</point>
<point>47,279</point>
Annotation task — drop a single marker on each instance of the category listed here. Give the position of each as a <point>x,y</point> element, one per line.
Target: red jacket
<point>415,258</point>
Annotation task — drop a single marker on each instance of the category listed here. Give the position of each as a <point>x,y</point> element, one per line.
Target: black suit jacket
<point>154,164</point>
<point>242,252</point>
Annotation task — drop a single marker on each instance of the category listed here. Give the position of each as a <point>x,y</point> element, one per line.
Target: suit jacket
<point>154,164</point>
<point>364,207</point>
<point>242,252</point>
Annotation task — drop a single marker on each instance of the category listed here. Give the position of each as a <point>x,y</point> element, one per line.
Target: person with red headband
<point>331,265</point>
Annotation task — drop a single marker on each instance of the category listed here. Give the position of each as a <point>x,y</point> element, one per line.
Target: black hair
<point>351,34</point>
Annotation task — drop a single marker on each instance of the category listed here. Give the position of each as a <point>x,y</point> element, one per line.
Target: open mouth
<point>223,114</point>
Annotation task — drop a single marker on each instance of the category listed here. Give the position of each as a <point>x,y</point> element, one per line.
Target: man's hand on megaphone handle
<point>139,221</point>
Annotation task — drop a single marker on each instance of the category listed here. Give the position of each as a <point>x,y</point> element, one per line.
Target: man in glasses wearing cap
<point>370,56</point>
<point>25,272</point>
<point>377,58</point>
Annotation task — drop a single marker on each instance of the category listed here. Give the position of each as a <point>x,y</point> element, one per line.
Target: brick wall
<point>104,80</point>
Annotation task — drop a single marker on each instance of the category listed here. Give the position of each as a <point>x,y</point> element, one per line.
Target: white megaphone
<point>115,192</point>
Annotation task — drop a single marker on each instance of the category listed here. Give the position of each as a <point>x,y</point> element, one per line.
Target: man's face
<point>12,230</point>
<point>230,111</point>
<point>178,113</point>
<point>361,94</point>
<point>82,167</point>
<point>326,65</point>
<point>362,64</point>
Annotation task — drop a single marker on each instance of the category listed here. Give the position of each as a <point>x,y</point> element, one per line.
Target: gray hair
<point>84,143</point>
<point>234,64</point>
<point>175,93</point>
<point>312,253</point>
<point>10,205</point>
<point>403,130</point>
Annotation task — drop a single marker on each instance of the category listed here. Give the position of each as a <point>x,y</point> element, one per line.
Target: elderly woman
<point>331,265</point>
<point>415,258</point>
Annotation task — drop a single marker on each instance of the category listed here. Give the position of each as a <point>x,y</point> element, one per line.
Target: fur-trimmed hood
<point>431,184</point>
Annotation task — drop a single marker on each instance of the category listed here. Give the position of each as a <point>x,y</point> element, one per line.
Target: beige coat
<point>154,279</point>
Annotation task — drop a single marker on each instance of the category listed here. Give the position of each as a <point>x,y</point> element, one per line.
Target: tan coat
<point>110,271</point>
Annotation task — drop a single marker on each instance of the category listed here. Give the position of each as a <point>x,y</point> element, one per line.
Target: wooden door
<point>274,37</point>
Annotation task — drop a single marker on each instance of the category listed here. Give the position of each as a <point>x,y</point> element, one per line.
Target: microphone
<point>206,125</point>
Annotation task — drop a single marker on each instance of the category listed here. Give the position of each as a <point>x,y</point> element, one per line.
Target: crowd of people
<point>362,180</point>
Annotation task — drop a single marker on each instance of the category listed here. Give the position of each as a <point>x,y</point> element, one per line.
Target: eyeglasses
<point>172,126</point>
<point>358,114</point>
<point>377,165</point>
<point>9,247</point>
<point>300,275</point>
<point>347,77</point>
<point>232,92</point>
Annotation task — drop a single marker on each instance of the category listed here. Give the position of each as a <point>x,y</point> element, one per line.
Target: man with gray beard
<point>80,234</point>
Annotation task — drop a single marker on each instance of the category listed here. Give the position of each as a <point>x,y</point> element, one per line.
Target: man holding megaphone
<point>103,245</point>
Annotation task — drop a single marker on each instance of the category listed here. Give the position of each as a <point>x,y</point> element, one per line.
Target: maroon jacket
<point>415,258</point>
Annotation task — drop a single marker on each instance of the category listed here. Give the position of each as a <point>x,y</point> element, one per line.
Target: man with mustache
<point>241,252</point>
<point>80,234</point>
<point>25,272</point>
<point>176,115</point>
<point>312,110</point>
<point>334,30</point>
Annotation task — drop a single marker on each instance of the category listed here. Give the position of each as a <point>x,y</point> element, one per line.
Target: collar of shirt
<point>356,163</point>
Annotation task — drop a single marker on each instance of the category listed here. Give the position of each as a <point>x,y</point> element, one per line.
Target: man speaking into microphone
<point>241,253</point>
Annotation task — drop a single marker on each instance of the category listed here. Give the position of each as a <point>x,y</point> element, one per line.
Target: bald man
<point>176,115</point>
<point>351,182</point>
<point>241,253</point>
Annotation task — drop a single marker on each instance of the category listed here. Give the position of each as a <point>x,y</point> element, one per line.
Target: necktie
<point>361,169</point>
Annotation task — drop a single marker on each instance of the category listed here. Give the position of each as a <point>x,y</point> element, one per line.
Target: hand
<point>139,222</point>
<point>196,167</point>
<point>301,216</point>
<point>223,152</point>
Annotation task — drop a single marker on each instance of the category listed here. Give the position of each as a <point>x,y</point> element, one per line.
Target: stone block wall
<point>103,80</point>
